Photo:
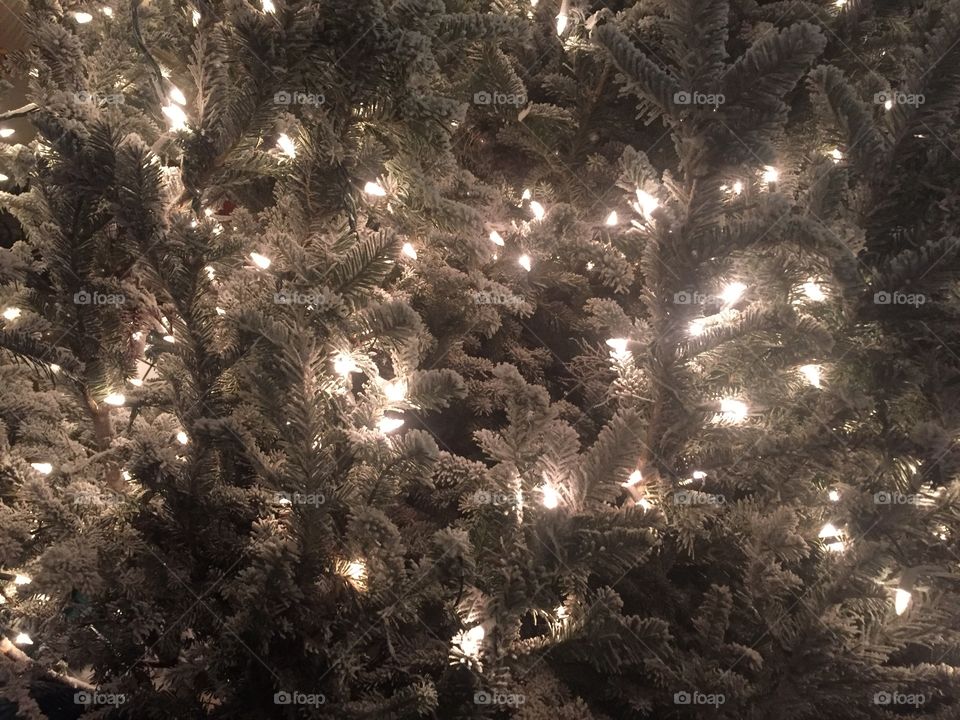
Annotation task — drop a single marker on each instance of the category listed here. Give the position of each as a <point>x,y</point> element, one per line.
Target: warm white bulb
<point>644,503</point>
<point>286,145</point>
<point>526,194</point>
<point>698,474</point>
<point>6,132</point>
<point>618,347</point>
<point>211,273</point>
<point>495,238</point>
<point>409,250</point>
<point>261,261</point>
<point>840,3</point>
<point>836,155</point>
<point>22,639</point>
<point>551,498</point>
<point>836,546</point>
<point>11,313</point>
<point>268,6</point>
<point>738,187</point>
<point>733,410</point>
<point>834,495</point>
<point>176,94</point>
<point>176,116</point>
<point>395,391</point>
<point>221,311</point>
<point>635,477</point>
<point>770,174</point>
<point>901,601</point>
<point>732,292</point>
<point>814,291</point>
<point>170,339</point>
<point>811,373</point>
<point>136,382</point>
<point>4,178</point>
<point>829,531</point>
<point>612,218</point>
<point>646,203</point>
<point>82,18</point>
<point>22,580</point>
<point>375,189</point>
<point>54,368</point>
<point>115,399</point>
<point>344,364</point>
<point>182,438</point>
<point>561,23</point>
<point>195,18</point>
<point>525,262</point>
<point>888,105</point>
<point>471,641</point>
<point>389,424</point>
<point>108,11</point>
<point>42,468</point>
<point>537,209</point>
<point>698,326</point>
<point>356,572</point>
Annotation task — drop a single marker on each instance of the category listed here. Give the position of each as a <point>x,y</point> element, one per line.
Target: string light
<point>176,116</point>
<point>268,6</point>
<point>829,531</point>
<point>646,203</point>
<point>6,132</point>
<point>54,368</point>
<point>537,209</point>
<point>169,339</point>
<point>195,18</point>
<point>811,373</point>
<point>698,474</point>
<point>389,424</point>
<point>182,438</point>
<point>11,313</point>
<point>836,155</point>
<point>82,18</point>
<point>22,580</point>
<point>115,399</point>
<point>136,382</point>
<point>176,94</point>
<point>261,261</point>
<point>814,291</point>
<point>834,495</point>
<point>4,178</point>
<point>901,601</point>
<point>551,498</point>
<point>526,194</point>
<point>211,273</point>
<point>840,3</point>
<point>732,292</point>
<point>108,11</point>
<point>395,391</point>
<point>42,468</point>
<point>738,187</point>
<point>344,364</point>
<point>770,174</point>
<point>732,410</point>
<point>286,145</point>
<point>888,105</point>
<point>375,189</point>
<point>495,238</point>
<point>221,311</point>
<point>22,639</point>
<point>698,326</point>
<point>471,641</point>
<point>409,251</point>
<point>525,262</point>
<point>612,218</point>
<point>644,503</point>
<point>635,477</point>
<point>355,572</point>
<point>618,348</point>
<point>561,23</point>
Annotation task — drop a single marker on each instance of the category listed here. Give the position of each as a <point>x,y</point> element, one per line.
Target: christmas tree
<point>427,359</point>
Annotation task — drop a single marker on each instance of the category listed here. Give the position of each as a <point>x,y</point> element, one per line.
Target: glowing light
<point>840,3</point>
<point>698,326</point>
<point>22,580</point>
<point>344,364</point>
<point>551,498</point>
<point>115,399</point>
<point>834,495</point>
<point>901,601</point>
<point>195,18</point>
<point>176,116</point>
<point>22,639</point>
<point>537,209</point>
<point>286,145</point>
<point>471,641</point>
<point>646,203</point>
<point>176,94</point>
<point>395,391</point>
<point>6,132</point>
<point>561,23</point>
<point>770,174</point>
<point>54,368</point>
<point>170,339</point>
<point>635,477</point>
<point>526,194</point>
<point>389,424</point>
<point>136,382</point>
<point>525,262</point>
<point>409,251</point>
<point>811,373</point>
<point>356,572</point>
<point>11,313</point>
<point>268,6</point>
<point>814,291</point>
<point>836,155</point>
<point>828,531</point>
<point>108,11</point>
<point>732,292</point>
<point>182,438</point>
<point>375,189</point>
<point>495,238</point>
<point>82,18</point>
<point>698,474</point>
<point>618,347</point>
<point>261,261</point>
<point>733,410</point>
<point>211,273</point>
<point>126,475</point>
<point>562,612</point>
<point>888,105</point>
<point>4,178</point>
<point>644,503</point>
<point>221,311</point>
<point>738,187</point>
<point>612,218</point>
<point>42,468</point>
